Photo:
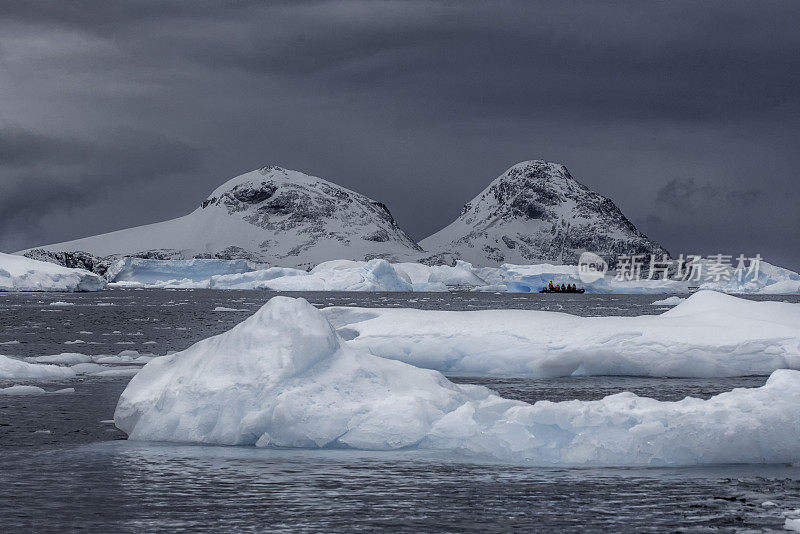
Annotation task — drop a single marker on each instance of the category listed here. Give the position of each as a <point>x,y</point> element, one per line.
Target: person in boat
<point>550,286</point>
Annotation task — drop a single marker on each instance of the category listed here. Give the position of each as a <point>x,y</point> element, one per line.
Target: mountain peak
<point>276,215</point>
<point>537,212</point>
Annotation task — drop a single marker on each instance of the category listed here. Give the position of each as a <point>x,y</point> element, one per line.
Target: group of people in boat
<point>561,288</point>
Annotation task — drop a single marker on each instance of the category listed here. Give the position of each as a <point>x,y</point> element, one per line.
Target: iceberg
<point>374,275</point>
<point>337,275</point>
<point>284,378</point>
<point>461,275</point>
<point>18,273</point>
<point>153,272</point>
<point>708,335</point>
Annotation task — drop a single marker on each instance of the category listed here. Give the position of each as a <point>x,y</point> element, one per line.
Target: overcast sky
<point>686,114</point>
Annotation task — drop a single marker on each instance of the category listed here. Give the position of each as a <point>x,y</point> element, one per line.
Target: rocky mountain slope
<point>537,212</point>
<point>283,217</point>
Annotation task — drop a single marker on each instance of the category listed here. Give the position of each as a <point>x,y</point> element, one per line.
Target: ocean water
<point>64,467</point>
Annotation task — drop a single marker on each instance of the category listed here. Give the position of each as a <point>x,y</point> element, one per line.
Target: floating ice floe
<point>18,273</point>
<point>18,390</point>
<point>12,368</point>
<point>708,335</point>
<point>284,378</point>
<point>71,364</point>
<point>669,301</point>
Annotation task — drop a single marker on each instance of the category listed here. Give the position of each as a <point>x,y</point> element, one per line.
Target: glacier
<point>18,273</point>
<point>708,335</point>
<point>284,378</point>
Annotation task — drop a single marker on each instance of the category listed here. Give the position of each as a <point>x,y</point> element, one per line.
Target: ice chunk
<point>33,390</point>
<point>12,368</point>
<point>669,301</point>
<point>18,273</point>
<point>224,309</point>
<point>68,358</point>
<point>708,335</point>
<point>283,378</point>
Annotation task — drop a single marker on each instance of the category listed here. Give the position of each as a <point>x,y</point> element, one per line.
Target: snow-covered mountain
<point>283,217</point>
<point>536,212</point>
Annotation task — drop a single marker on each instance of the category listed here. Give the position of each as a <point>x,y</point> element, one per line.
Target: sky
<point>686,114</point>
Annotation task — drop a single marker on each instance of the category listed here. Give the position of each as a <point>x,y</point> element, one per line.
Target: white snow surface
<point>709,335</point>
<point>18,273</point>
<point>283,378</point>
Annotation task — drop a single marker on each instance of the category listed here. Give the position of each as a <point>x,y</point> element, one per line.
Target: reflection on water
<point>125,486</point>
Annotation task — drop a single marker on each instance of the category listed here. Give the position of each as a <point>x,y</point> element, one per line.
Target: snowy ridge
<point>708,335</point>
<point>284,378</point>
<point>536,212</point>
<point>274,215</point>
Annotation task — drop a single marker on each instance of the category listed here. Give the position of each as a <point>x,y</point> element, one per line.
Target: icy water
<point>64,467</point>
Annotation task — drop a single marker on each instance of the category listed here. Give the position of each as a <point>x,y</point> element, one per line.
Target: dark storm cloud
<point>40,174</point>
<point>685,194</point>
<point>418,103</point>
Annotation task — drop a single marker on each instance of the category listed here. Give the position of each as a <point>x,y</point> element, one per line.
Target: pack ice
<point>708,335</point>
<point>284,378</point>
<point>18,273</point>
